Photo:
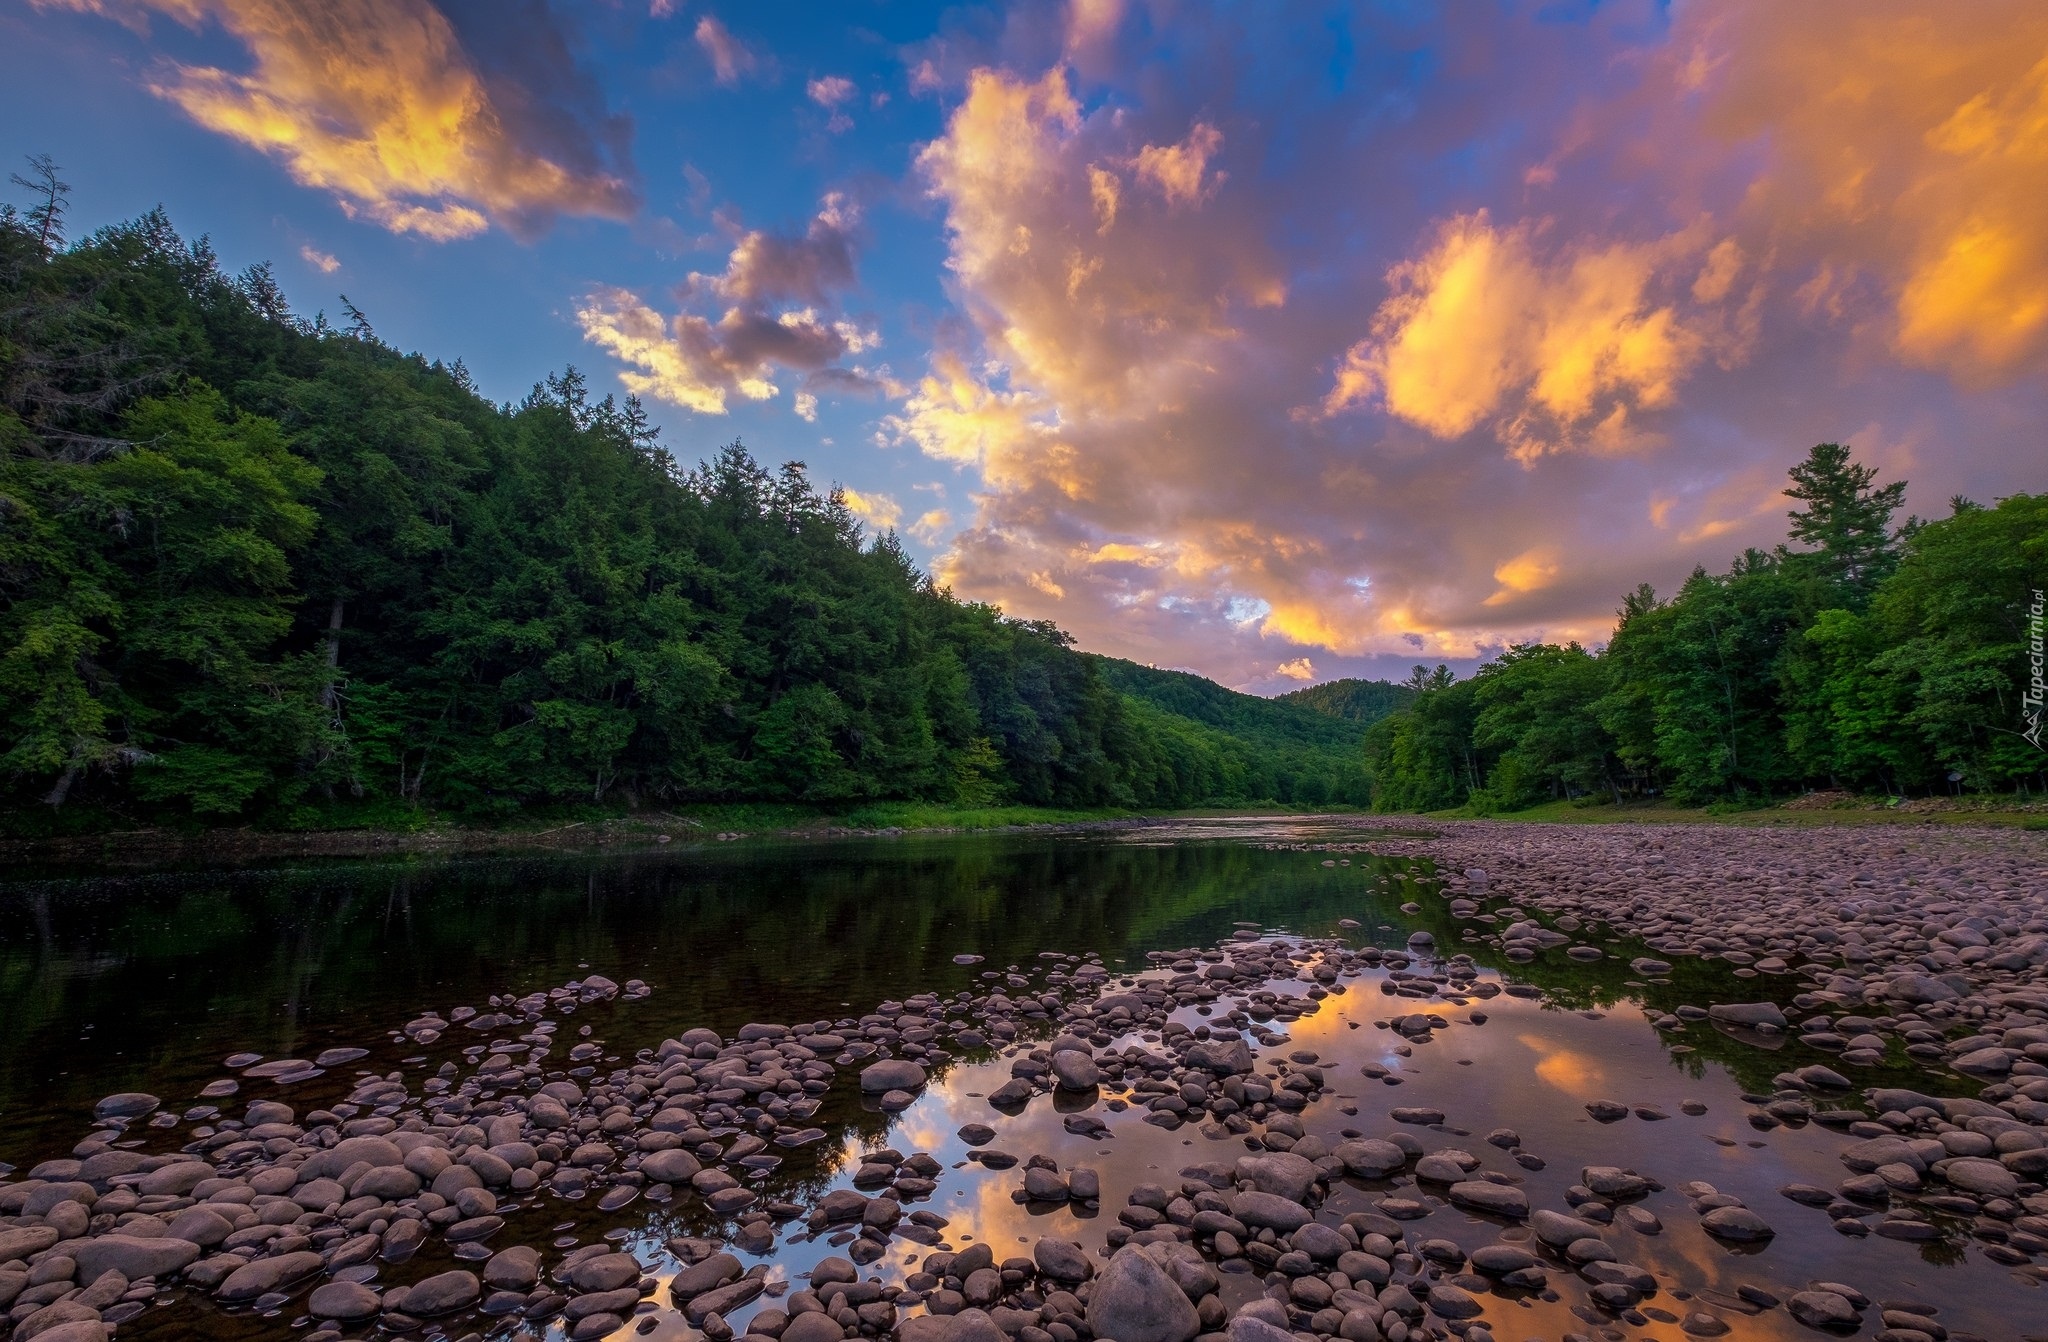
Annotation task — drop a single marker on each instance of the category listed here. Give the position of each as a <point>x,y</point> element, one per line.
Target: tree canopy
<point>258,568</point>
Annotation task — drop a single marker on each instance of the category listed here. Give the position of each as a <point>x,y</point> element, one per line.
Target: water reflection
<point>147,982</point>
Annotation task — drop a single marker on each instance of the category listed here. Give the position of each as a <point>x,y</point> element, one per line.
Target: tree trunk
<point>62,788</point>
<point>327,695</point>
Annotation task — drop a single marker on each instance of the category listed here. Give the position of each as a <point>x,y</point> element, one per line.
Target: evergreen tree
<point>1846,524</point>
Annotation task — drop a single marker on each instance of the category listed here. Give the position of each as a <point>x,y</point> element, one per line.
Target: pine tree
<point>46,216</point>
<point>1847,524</point>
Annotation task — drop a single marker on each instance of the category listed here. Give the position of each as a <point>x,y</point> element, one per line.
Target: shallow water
<point>146,983</point>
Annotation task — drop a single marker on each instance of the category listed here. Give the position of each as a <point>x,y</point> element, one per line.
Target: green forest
<point>1865,654</point>
<point>262,569</point>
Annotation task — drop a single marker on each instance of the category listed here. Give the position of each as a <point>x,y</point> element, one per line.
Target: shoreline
<point>164,849</point>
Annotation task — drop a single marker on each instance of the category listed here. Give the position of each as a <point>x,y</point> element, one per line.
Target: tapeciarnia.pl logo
<point>2031,701</point>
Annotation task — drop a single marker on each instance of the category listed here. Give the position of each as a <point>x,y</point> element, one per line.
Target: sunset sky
<point>1277,342</point>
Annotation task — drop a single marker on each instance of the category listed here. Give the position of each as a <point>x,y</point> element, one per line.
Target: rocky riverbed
<point>1604,1082</point>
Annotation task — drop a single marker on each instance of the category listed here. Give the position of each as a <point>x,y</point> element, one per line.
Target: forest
<point>262,569</point>
<point>1864,654</point>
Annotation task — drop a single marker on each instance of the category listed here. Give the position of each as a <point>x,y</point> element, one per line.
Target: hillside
<point>1361,701</point>
<point>262,571</point>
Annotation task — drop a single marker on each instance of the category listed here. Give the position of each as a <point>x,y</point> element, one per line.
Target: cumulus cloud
<point>806,268</point>
<point>1910,148</point>
<point>1554,351</point>
<point>772,313</point>
<point>1346,404</point>
<point>831,92</point>
<point>731,59</point>
<point>877,510</point>
<point>420,118</point>
<point>1176,169</point>
<point>1301,668</point>
<point>324,262</point>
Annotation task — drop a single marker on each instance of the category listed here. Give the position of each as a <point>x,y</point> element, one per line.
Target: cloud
<point>1487,321</point>
<point>321,261</point>
<point>1556,351</point>
<point>877,510</point>
<point>770,312</point>
<point>731,60</point>
<point>1298,669</point>
<point>806,268</point>
<point>408,118</point>
<point>931,525</point>
<point>830,90</point>
<point>829,93</point>
<point>1911,150</point>
<point>1176,169</point>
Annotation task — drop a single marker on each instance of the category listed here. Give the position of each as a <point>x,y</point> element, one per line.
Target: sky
<point>1278,342</point>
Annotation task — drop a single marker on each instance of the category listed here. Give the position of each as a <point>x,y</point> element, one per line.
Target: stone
<point>128,1104</point>
<point>1280,1172</point>
<point>1739,1224</point>
<point>1822,1309</point>
<point>1062,1260</point>
<point>813,1326</point>
<point>266,1275</point>
<point>1748,1015</point>
<point>1246,1327</point>
<point>708,1275</point>
<point>1371,1158</point>
<point>1985,1178</point>
<point>605,1272</point>
<point>1224,1057</point>
<point>1075,1071</point>
<point>1557,1230</point>
<point>889,1074</point>
<point>1134,1300</point>
<point>343,1301</point>
<point>443,1293</point>
<point>132,1257</point>
<point>1269,1211</point>
<point>513,1269</point>
<point>1497,1199</point>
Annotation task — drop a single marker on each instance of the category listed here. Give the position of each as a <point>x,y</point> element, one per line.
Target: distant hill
<point>1224,746</point>
<point>1361,701</point>
<point>1248,717</point>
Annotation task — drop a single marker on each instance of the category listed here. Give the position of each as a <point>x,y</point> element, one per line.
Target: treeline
<point>256,568</point>
<point>1859,655</point>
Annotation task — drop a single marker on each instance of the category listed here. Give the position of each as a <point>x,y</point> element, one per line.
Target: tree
<point>46,216</point>
<point>1846,524</point>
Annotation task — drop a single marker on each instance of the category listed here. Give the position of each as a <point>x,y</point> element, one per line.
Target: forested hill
<point>261,569</point>
<point>1274,721</point>
<point>1361,701</point>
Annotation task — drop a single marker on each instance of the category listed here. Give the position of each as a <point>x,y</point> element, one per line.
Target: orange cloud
<point>378,103</point>
<point>1553,351</point>
<point>1908,146</point>
<point>1176,169</point>
<point>877,510</point>
<point>1298,669</point>
<point>1529,571</point>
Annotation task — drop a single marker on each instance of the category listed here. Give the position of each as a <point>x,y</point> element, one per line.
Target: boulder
<point>1135,1300</point>
<point>878,1078</point>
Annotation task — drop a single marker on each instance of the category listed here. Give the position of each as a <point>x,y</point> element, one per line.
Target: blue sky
<point>1277,342</point>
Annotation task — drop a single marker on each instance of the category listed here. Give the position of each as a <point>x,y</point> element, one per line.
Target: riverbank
<point>167,848</point>
<point>149,848</point>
